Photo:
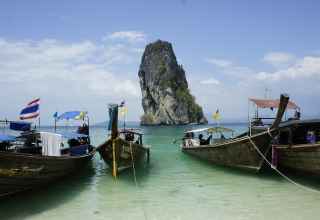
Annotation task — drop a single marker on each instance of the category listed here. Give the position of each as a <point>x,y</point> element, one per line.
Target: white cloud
<point>307,68</point>
<point>130,36</point>
<point>219,62</point>
<point>67,74</point>
<point>121,54</point>
<point>210,81</point>
<point>228,68</point>
<point>278,58</point>
<point>299,78</point>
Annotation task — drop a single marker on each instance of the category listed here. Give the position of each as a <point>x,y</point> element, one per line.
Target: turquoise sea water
<point>173,186</point>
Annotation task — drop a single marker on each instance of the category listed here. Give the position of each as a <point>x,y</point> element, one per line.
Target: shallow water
<point>173,186</point>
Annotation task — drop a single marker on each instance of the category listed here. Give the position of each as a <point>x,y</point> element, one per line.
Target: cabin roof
<point>300,122</point>
<point>132,131</point>
<point>272,103</point>
<point>210,130</point>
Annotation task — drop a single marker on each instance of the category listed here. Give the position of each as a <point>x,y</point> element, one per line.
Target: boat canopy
<point>219,130</point>
<point>272,103</point>
<point>73,115</point>
<point>7,138</point>
<point>210,130</point>
<point>197,130</point>
<point>20,126</point>
<point>132,130</point>
<point>71,135</point>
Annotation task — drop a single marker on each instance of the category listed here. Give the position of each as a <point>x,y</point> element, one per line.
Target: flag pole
<point>39,115</point>
<point>124,121</point>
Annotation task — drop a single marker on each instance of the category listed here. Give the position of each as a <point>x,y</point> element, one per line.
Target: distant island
<point>166,99</point>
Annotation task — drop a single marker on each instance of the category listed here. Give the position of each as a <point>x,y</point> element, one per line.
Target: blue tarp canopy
<point>75,115</point>
<point>20,126</point>
<point>7,138</point>
<point>72,135</point>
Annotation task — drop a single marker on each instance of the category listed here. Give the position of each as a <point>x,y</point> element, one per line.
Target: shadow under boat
<point>45,198</point>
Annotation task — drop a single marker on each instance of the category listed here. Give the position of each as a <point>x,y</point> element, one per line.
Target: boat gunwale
<point>37,156</point>
<point>296,146</point>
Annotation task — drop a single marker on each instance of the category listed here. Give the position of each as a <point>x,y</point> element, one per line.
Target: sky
<point>82,55</point>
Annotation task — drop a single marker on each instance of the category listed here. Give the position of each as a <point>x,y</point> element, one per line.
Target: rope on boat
<point>269,132</point>
<point>135,178</point>
<point>279,172</point>
<point>133,167</point>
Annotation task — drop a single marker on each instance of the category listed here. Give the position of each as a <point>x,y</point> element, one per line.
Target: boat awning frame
<point>272,103</point>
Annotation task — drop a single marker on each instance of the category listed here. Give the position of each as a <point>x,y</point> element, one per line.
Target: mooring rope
<point>279,172</point>
<point>114,163</point>
<point>135,179</point>
<point>268,130</point>
<point>133,167</point>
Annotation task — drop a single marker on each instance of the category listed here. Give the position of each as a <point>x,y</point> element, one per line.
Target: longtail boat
<point>296,148</point>
<point>34,159</point>
<point>123,148</point>
<point>239,152</point>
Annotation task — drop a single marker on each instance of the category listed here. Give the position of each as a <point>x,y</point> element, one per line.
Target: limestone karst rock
<point>166,99</point>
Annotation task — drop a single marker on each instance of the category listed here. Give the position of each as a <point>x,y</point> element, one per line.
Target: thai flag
<point>31,111</point>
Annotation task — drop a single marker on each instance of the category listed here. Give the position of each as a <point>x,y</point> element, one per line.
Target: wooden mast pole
<point>284,99</point>
<point>114,135</point>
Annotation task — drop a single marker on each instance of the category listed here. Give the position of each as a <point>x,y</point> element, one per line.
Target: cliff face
<point>166,98</point>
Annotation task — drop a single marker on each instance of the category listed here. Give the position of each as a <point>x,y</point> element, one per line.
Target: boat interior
<point>298,132</point>
<point>23,139</point>
<point>206,136</point>
<point>131,135</point>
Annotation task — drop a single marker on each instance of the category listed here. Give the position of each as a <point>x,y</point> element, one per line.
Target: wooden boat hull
<point>20,172</point>
<point>237,152</point>
<point>125,154</point>
<point>303,159</point>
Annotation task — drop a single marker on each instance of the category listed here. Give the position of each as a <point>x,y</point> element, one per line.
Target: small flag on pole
<point>216,115</point>
<point>55,115</point>
<point>122,104</point>
<point>31,110</point>
<point>123,111</point>
<point>81,116</point>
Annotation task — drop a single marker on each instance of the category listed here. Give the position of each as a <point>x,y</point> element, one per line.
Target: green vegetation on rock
<point>147,119</point>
